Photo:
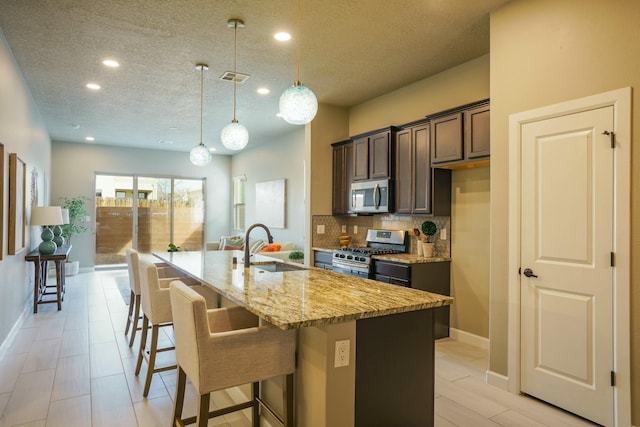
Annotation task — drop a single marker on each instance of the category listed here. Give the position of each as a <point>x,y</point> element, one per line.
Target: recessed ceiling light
<point>213,150</point>
<point>111,63</point>
<point>278,115</point>
<point>90,138</point>
<point>282,36</point>
<point>263,91</point>
<point>173,128</point>
<point>164,141</point>
<point>93,86</point>
<point>74,126</point>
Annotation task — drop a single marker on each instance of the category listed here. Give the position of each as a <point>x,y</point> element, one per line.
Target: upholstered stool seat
<point>164,271</point>
<point>222,348</point>
<point>156,313</point>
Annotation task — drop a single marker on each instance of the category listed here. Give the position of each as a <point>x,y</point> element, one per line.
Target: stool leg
<point>153,349</point>
<point>143,342</point>
<point>136,316</point>
<point>255,410</point>
<point>288,409</point>
<point>203,410</point>
<point>132,298</point>
<point>178,403</point>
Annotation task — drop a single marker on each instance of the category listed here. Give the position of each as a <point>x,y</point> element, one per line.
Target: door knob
<point>529,273</point>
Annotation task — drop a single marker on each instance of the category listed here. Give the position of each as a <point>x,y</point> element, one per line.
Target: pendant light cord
<point>298,42</point>
<point>201,99</point>
<point>235,68</point>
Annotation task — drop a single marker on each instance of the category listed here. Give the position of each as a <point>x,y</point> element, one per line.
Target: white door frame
<point>620,99</point>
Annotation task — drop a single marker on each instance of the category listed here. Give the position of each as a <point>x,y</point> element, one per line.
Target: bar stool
<point>156,311</point>
<point>222,348</point>
<point>133,260</point>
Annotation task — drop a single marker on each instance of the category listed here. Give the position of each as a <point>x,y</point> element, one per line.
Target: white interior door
<point>567,233</point>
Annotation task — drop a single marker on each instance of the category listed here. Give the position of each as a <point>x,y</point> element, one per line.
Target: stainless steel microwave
<point>372,196</point>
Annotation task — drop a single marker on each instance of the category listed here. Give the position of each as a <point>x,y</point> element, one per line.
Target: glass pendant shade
<point>200,155</point>
<point>234,136</point>
<point>298,104</point>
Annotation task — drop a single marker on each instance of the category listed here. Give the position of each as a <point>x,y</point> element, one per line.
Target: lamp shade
<point>46,215</point>
<point>298,104</point>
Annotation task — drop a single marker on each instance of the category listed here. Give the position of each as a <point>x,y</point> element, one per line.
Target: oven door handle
<point>377,197</point>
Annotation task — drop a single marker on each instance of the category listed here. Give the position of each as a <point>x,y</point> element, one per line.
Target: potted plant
<point>429,228</point>
<point>77,207</point>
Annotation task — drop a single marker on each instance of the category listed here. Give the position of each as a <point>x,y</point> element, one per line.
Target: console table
<point>40,287</point>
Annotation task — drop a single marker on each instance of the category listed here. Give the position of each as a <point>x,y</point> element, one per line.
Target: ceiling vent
<point>230,76</point>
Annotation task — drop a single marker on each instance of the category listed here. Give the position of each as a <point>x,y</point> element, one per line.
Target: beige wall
<point>544,52</point>
<point>469,250</point>
<point>461,85</point>
<point>330,125</point>
<point>281,159</point>
<point>23,132</point>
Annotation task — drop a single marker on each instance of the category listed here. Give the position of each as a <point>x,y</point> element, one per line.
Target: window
<point>238,202</point>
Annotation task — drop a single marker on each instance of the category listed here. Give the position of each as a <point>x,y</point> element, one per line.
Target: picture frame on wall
<point>1,200</point>
<point>17,204</point>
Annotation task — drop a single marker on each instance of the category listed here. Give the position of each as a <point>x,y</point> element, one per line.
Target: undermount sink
<point>275,267</point>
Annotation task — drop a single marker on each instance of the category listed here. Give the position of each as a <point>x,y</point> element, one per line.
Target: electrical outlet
<point>355,229</point>
<point>342,353</point>
<point>320,229</point>
<point>443,234</point>
<point>344,229</point>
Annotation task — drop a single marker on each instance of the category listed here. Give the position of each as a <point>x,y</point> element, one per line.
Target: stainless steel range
<point>356,261</point>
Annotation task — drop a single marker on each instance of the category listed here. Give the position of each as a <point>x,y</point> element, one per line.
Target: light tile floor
<point>75,368</point>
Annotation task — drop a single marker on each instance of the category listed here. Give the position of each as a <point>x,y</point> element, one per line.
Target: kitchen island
<point>388,378</point>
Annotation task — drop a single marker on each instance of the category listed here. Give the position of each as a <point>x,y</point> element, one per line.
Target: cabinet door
<point>348,177</point>
<point>339,183</point>
<point>446,138</point>
<point>477,139</point>
<point>421,171</point>
<point>404,172</point>
<point>361,159</point>
<point>379,156</point>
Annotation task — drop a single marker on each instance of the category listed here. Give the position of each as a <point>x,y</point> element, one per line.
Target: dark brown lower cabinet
<point>430,276</point>
<point>395,370</point>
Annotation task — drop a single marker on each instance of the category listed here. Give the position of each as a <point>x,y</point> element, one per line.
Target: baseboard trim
<point>497,380</point>
<point>14,330</point>
<point>469,338</point>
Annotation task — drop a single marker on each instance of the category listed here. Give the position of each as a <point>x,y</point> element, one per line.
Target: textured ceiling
<point>351,51</point>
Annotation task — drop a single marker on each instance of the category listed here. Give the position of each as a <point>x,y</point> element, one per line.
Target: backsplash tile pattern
<point>333,229</point>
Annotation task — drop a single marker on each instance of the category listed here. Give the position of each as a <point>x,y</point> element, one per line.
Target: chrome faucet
<point>247,261</point>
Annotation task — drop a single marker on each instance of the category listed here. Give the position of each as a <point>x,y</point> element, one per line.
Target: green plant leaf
<point>429,228</point>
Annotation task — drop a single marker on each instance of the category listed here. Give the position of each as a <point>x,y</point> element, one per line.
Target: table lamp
<point>46,216</point>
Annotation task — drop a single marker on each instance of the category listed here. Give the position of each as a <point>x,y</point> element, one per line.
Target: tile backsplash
<point>333,226</point>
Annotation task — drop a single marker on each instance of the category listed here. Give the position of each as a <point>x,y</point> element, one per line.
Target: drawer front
<point>323,257</point>
<point>398,271</point>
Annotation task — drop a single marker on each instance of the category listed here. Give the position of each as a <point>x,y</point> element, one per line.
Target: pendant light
<point>234,135</point>
<point>200,154</point>
<point>298,104</point>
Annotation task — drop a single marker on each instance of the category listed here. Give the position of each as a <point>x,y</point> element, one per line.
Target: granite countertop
<point>299,298</point>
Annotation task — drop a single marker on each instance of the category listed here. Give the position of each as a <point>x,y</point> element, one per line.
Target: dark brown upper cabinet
<point>373,154</point>
<point>342,177</point>
<point>419,188</point>
<point>460,137</point>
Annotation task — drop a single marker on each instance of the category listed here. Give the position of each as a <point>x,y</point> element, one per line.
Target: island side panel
<point>325,394</point>
<point>395,370</point>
